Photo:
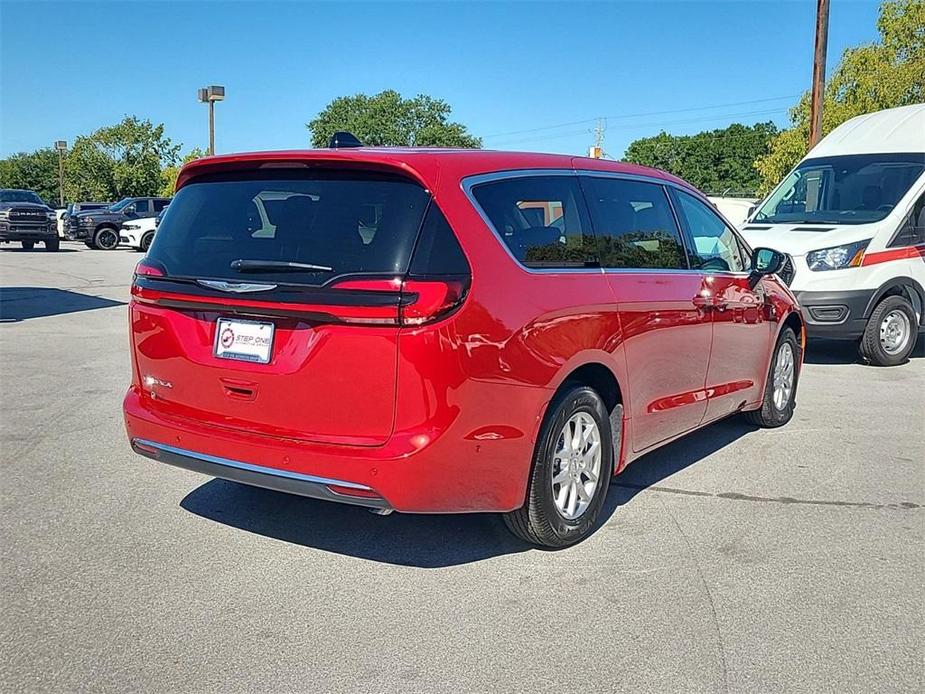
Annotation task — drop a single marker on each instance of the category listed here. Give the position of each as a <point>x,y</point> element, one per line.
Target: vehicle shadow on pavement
<point>426,541</point>
<point>422,541</point>
<point>846,351</point>
<point>652,469</point>
<point>23,303</point>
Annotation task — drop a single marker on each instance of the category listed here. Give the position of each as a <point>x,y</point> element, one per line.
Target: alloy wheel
<point>576,465</point>
<point>783,376</point>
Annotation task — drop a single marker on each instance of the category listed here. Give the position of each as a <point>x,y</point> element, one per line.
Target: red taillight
<point>148,268</point>
<point>422,301</point>
<point>429,300</point>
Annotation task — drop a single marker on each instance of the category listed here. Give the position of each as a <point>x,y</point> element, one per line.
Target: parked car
<point>139,233</point>
<point>100,228</point>
<point>25,217</point>
<point>852,216</point>
<point>69,220</point>
<point>441,331</point>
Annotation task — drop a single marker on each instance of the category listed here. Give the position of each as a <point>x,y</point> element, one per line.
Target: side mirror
<point>751,211</point>
<point>130,209</point>
<point>765,261</point>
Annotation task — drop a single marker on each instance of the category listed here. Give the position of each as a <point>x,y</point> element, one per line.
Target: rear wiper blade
<point>242,265</point>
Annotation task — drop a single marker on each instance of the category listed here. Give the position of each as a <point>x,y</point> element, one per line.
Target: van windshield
<point>291,227</point>
<point>847,189</point>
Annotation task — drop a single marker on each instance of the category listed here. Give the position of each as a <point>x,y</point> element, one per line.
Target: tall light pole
<point>61,146</point>
<point>822,37</point>
<point>209,95</point>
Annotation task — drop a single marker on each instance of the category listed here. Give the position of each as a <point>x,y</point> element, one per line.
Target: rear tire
<point>28,245</point>
<point>780,391</point>
<point>891,332</point>
<point>53,244</point>
<point>554,515</point>
<point>106,239</point>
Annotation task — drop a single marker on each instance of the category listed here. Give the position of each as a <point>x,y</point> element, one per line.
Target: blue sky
<point>509,70</point>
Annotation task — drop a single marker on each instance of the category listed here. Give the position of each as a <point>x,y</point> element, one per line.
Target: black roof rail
<point>342,139</point>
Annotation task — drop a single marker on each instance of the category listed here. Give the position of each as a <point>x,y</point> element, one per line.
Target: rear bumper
<point>453,469</point>
<point>257,476</point>
<point>838,315</point>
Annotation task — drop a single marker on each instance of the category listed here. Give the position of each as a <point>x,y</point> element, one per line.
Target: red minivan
<point>448,331</point>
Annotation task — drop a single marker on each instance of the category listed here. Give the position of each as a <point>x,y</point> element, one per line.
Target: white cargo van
<point>852,217</point>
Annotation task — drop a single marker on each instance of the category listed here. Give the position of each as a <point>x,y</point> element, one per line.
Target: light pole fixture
<point>209,95</point>
<point>61,146</point>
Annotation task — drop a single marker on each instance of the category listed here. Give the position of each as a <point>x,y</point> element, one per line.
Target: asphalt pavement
<point>733,560</point>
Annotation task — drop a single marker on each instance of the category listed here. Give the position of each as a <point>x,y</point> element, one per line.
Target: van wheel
<point>28,245</point>
<point>53,244</point>
<point>145,243</point>
<point>572,467</point>
<point>106,239</point>
<point>890,334</point>
<point>781,388</point>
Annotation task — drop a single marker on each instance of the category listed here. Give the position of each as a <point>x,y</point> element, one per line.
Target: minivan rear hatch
<point>270,301</point>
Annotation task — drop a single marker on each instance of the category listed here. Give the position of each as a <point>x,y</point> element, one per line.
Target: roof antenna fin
<point>342,139</point>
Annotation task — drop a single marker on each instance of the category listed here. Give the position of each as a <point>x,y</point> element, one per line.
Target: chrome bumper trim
<point>256,475</point>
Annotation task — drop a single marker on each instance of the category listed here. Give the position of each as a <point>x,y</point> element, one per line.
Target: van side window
<point>437,251</point>
<point>912,231</point>
<point>633,223</point>
<point>712,245</point>
<point>541,219</point>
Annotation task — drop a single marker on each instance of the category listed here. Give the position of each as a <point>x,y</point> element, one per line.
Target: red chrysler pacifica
<point>443,331</point>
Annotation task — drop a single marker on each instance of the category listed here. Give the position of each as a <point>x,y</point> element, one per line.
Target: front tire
<point>145,243</point>
<point>571,471</point>
<point>780,391</point>
<point>53,244</point>
<point>106,239</point>
<point>28,245</point>
<point>890,335</point>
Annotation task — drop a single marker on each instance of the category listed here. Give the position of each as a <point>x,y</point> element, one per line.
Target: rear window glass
<point>349,222</point>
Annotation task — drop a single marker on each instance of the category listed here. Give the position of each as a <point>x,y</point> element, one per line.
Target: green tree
<point>37,171</point>
<point>119,160</point>
<point>715,161</point>
<point>170,173</point>
<point>868,78</point>
<point>386,119</point>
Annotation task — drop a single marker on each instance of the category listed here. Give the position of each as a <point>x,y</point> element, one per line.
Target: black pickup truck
<point>25,217</point>
<point>100,228</point>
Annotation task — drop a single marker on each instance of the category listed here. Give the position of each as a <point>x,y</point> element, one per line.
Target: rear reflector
<point>353,491</point>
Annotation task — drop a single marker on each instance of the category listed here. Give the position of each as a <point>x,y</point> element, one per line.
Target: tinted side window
<point>912,231</point>
<point>160,205</point>
<point>141,206</point>
<point>634,224</point>
<point>713,246</point>
<point>541,219</point>
<point>437,251</point>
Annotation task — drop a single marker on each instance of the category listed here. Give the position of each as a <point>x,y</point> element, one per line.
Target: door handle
<point>708,303</point>
<point>704,302</point>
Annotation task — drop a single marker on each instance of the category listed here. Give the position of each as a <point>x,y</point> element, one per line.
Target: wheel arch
<point>903,286</point>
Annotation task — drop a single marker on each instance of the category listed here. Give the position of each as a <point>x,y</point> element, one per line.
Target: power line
<point>655,124</point>
<point>643,115</point>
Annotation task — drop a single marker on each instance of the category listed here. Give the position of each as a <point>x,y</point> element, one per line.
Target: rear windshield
<point>341,223</point>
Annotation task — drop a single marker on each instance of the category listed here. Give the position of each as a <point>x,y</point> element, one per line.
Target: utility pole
<point>596,151</point>
<point>61,146</point>
<point>822,36</point>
